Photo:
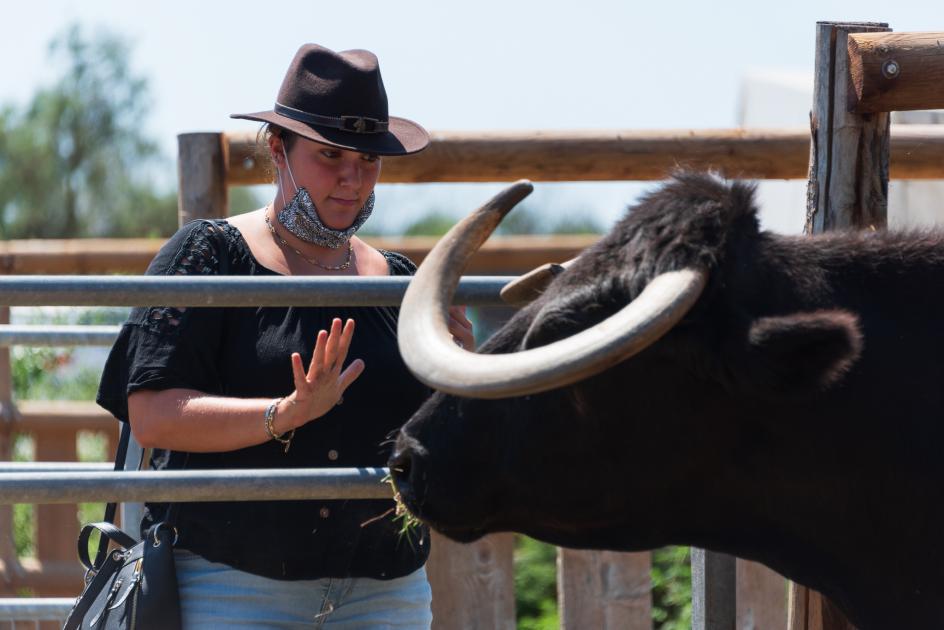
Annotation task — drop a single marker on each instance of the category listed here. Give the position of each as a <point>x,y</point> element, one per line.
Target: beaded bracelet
<point>270,412</point>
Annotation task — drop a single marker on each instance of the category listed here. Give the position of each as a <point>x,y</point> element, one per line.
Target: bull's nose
<point>400,463</point>
<point>404,463</point>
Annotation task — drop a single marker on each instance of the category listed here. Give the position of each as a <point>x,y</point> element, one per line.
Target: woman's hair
<point>262,145</point>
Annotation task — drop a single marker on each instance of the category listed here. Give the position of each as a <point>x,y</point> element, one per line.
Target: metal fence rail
<point>35,608</point>
<point>56,335</point>
<point>230,290</point>
<point>46,467</point>
<point>195,485</point>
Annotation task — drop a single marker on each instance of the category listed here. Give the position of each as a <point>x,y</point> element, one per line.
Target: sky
<point>482,65</point>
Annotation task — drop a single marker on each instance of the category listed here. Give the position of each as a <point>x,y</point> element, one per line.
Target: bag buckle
<point>157,541</point>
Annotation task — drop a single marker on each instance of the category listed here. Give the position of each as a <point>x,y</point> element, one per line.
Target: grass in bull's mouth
<point>410,526</point>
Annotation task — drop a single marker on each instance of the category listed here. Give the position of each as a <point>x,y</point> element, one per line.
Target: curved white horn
<point>430,353</point>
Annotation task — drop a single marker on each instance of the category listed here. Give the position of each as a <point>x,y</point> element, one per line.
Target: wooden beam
<point>62,416</point>
<point>499,255</point>
<point>895,71</point>
<point>614,155</point>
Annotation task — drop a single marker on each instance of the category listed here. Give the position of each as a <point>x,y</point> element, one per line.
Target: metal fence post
<point>714,588</point>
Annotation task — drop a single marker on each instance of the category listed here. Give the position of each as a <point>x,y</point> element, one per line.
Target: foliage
<point>432,224</point>
<point>24,515</point>
<point>522,220</point>
<point>74,161</point>
<point>241,199</point>
<point>44,374</point>
<point>671,588</point>
<point>535,585</point>
<point>49,374</point>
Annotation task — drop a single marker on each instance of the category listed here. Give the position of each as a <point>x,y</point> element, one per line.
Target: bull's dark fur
<point>793,417</point>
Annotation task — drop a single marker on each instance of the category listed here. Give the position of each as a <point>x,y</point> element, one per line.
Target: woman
<point>211,388</point>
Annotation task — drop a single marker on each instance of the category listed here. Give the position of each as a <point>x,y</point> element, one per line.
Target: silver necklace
<point>311,261</point>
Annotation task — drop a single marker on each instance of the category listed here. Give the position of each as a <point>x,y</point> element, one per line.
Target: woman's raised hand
<point>322,386</point>
<point>461,328</point>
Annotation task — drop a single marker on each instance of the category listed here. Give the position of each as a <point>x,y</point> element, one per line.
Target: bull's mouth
<point>413,500</point>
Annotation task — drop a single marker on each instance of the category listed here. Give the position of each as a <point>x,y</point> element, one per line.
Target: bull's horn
<point>431,355</point>
<point>530,286</point>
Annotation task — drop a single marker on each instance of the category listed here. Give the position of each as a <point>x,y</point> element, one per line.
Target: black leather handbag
<point>131,584</point>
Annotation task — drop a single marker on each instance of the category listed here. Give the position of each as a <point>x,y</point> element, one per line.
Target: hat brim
<point>401,138</point>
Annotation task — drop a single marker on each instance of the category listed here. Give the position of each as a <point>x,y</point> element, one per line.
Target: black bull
<point>793,417</point>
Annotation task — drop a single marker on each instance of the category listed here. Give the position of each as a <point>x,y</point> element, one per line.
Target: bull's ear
<point>801,353</point>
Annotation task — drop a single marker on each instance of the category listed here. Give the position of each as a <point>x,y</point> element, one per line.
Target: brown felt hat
<point>338,98</point>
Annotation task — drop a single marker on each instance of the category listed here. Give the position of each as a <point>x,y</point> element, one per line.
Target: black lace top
<point>245,352</point>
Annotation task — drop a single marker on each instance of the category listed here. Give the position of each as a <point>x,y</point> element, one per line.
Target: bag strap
<point>106,526</point>
<point>109,533</point>
<point>120,455</point>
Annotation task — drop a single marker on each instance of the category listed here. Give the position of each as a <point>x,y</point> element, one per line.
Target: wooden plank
<point>895,71</point>
<point>473,585</point>
<point>604,590</point>
<point>499,255</point>
<point>761,597</point>
<point>620,155</point>
<point>56,525</point>
<point>201,168</point>
<point>55,417</point>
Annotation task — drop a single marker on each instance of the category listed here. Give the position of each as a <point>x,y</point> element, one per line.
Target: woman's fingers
<point>349,375</point>
<point>457,314</point>
<point>318,356</point>
<point>298,373</point>
<point>331,349</point>
<point>461,328</point>
<point>344,343</point>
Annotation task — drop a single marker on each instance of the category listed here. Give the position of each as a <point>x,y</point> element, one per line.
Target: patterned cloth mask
<point>300,217</point>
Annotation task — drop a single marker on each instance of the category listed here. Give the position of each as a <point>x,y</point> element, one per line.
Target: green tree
<point>75,161</point>
<point>522,220</point>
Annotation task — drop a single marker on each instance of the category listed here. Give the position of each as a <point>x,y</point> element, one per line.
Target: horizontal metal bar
<point>195,485</point>
<point>35,608</point>
<point>42,335</point>
<point>44,467</point>
<point>230,290</point>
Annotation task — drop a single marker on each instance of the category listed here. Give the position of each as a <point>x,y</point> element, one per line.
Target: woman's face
<point>339,181</point>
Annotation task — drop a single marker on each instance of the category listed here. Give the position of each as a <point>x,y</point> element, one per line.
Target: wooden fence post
<point>848,189</point>
<point>848,174</point>
<point>604,590</point>
<point>11,564</point>
<point>473,584</point>
<point>761,597</point>
<point>201,177</point>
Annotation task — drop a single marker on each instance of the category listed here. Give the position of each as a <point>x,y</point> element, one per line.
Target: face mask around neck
<point>300,216</point>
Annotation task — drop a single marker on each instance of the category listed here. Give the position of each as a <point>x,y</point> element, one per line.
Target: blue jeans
<point>214,595</point>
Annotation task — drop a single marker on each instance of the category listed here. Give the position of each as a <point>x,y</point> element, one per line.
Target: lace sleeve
<point>163,347</point>
<point>196,255</point>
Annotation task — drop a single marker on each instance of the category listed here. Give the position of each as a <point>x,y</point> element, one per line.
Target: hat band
<point>354,124</point>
